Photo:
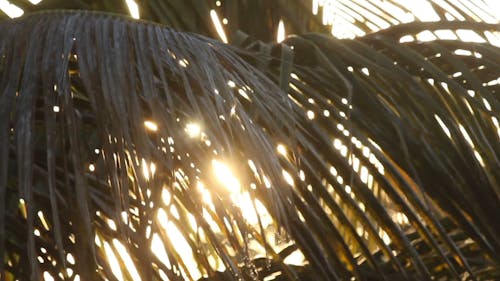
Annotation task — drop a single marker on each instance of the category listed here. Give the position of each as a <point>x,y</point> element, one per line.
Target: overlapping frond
<point>373,159</point>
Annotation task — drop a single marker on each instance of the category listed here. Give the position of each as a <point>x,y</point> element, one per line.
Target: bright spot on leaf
<point>22,207</point>
<point>225,176</point>
<point>479,158</point>
<point>443,126</point>
<point>386,238</point>
<point>281,32</point>
<point>151,126</point>
<point>43,220</point>
<point>193,130</point>
<point>288,178</point>
<point>466,135</point>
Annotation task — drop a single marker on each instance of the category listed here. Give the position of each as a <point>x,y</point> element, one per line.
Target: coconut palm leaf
<point>114,130</point>
<point>345,19</point>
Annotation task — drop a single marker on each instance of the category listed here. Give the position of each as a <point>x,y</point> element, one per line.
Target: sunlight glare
<point>218,26</point>
<point>281,32</point>
<point>133,8</point>
<point>166,196</point>
<point>193,130</point>
<point>151,125</point>
<point>443,126</point>
<point>47,276</point>
<point>225,176</point>
<point>297,258</point>
<point>288,178</point>
<point>281,149</point>
<point>70,258</point>
<point>11,10</point>
<point>183,249</point>
<point>43,220</point>
<point>158,250</point>
<point>113,262</point>
<point>129,264</point>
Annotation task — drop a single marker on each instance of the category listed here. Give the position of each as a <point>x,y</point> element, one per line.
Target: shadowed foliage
<point>374,159</point>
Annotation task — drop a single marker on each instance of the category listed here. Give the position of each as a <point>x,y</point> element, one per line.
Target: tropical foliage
<point>131,150</point>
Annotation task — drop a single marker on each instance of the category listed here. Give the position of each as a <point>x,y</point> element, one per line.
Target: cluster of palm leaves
<point>130,149</point>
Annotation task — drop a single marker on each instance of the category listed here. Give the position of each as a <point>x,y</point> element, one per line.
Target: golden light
<point>43,220</point>
<point>251,210</point>
<point>182,247</point>
<point>113,261</point>
<point>385,237</point>
<point>133,8</point>
<point>22,208</point>
<point>225,176</point>
<point>193,130</point>
<point>281,32</point>
<point>244,202</point>
<point>218,26</point>
<point>158,250</point>
<point>124,255</point>
<point>151,125</point>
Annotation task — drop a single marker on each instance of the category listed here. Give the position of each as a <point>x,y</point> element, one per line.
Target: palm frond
<point>375,159</point>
